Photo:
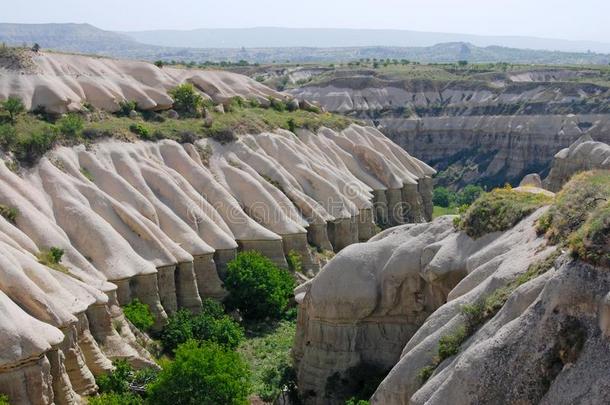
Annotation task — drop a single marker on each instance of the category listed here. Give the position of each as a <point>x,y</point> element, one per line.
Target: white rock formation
<point>60,83</point>
<point>584,154</point>
<point>160,221</point>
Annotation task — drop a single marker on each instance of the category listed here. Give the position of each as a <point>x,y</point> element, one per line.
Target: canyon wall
<point>159,221</point>
<point>152,221</point>
<point>490,129</point>
<point>392,306</point>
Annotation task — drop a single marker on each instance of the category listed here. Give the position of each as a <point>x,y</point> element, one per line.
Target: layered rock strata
<point>488,129</point>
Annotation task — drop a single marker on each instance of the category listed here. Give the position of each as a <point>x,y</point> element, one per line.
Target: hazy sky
<point>568,19</point>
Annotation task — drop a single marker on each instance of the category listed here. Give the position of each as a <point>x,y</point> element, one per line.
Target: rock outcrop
<point>59,83</point>
<point>584,154</point>
<point>518,320</point>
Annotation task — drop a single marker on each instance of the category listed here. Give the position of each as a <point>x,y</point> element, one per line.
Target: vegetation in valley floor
<point>449,202</point>
<point>267,349</point>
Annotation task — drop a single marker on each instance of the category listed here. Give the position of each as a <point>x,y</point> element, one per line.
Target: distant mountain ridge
<point>276,37</point>
<point>85,38</point>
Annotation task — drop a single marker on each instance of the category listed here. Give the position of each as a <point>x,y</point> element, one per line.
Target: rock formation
<point>489,129</point>
<point>584,154</point>
<point>59,83</point>
<point>159,221</point>
<point>393,303</point>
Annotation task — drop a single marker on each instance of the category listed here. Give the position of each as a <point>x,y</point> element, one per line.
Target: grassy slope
<point>267,352</point>
<point>34,134</point>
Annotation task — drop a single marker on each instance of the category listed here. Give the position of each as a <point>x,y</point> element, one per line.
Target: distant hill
<point>274,37</point>
<point>85,38</point>
<point>68,37</point>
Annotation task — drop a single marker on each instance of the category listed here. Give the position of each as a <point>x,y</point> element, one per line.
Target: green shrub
<point>443,197</point>
<point>126,107</point>
<point>71,125</point>
<point>425,373</point>
<point>449,345</point>
<point>118,380</point>
<point>8,136</point>
<point>257,287</point>
<point>590,243</point>
<point>116,399</point>
<point>186,98</point>
<point>29,148</point>
<point>354,401</point>
<point>139,315</point>
<point>203,374</point>
<point>499,210</point>
<point>4,400</point>
<point>295,263</point>
<point>468,195</point>
<point>277,105</point>
<point>141,130</point>
<point>13,106</point>
<point>9,213</point>
<point>574,204</point>
<point>52,259</point>
<point>211,324</point>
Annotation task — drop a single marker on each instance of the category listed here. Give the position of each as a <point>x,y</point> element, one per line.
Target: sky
<point>563,19</point>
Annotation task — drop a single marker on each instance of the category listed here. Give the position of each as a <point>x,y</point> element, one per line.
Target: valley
<point>399,224</point>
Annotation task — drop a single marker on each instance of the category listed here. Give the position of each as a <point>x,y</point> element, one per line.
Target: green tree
<point>13,106</point>
<point>257,287</point>
<point>203,374</point>
<point>118,380</point>
<point>211,324</point>
<point>469,194</point>
<point>139,315</point>
<point>113,398</point>
<point>442,197</point>
<point>186,98</point>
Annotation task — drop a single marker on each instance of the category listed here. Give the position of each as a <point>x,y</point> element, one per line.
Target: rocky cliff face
<point>504,318</point>
<point>159,221</point>
<point>489,129</point>
<point>152,221</point>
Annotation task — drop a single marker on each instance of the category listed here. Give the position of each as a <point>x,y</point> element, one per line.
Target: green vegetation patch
<point>139,315</point>
<point>257,287</point>
<point>9,213</point>
<point>574,203</point>
<point>52,259</point>
<point>211,324</point>
<point>204,374</point>
<point>267,351</point>
<point>499,210</point>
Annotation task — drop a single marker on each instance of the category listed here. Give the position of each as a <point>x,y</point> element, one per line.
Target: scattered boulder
<point>173,114</point>
<point>219,108</point>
